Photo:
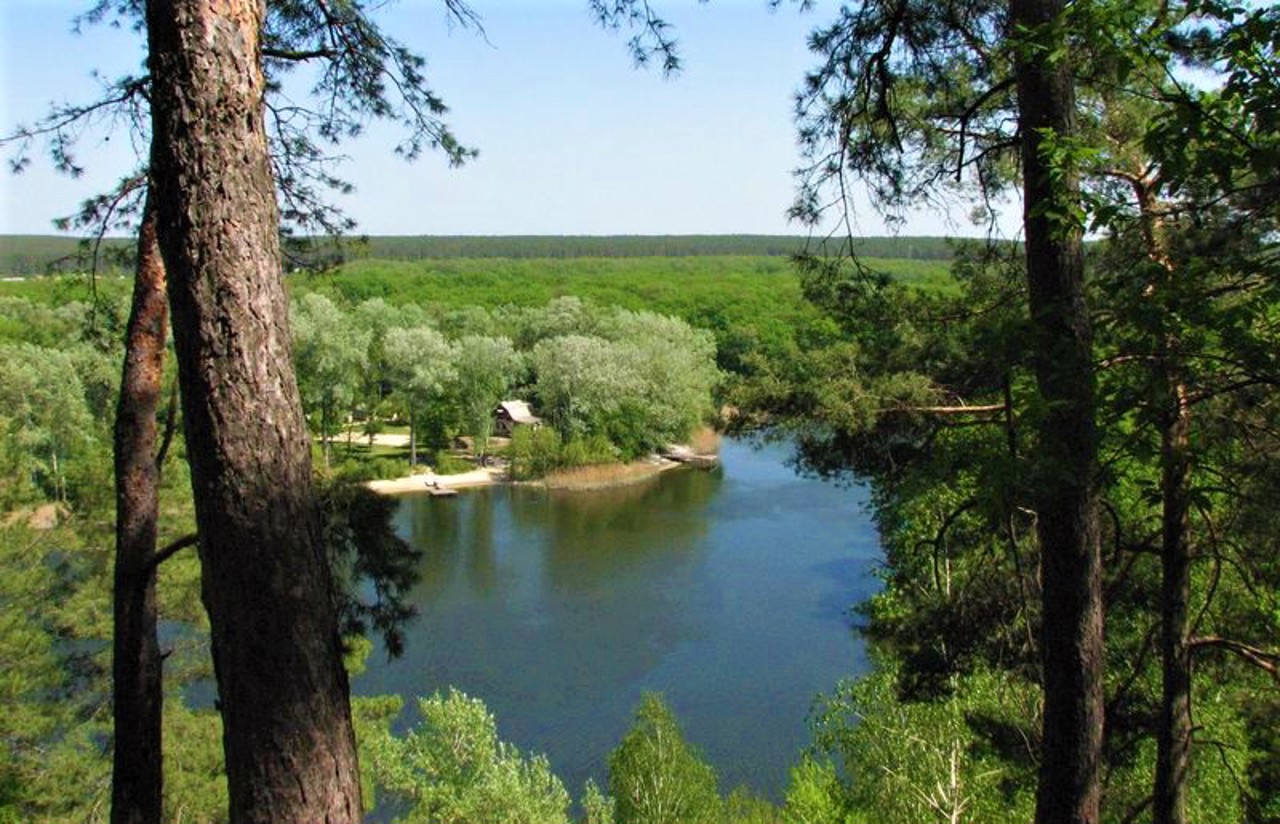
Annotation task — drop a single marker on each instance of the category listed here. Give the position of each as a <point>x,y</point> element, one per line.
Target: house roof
<point>519,412</point>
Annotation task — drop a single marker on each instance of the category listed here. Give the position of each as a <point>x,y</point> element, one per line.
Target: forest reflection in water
<point>728,591</point>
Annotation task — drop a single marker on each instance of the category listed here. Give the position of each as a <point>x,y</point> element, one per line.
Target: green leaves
<point>639,379</point>
<point>645,381</point>
<point>911,102</point>
<point>451,769</point>
<point>655,777</point>
<point>52,762</point>
<point>910,762</point>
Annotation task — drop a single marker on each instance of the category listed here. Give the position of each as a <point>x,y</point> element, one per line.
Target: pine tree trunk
<point>290,750</point>
<point>1173,736</point>
<point>1173,733</point>
<point>1071,641</point>
<point>137,786</point>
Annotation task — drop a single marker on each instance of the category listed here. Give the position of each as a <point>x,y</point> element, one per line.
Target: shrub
<point>447,463</point>
<point>588,451</point>
<point>534,452</point>
<point>361,469</point>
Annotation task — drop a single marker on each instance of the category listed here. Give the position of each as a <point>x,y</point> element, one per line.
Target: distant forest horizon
<point>43,254</point>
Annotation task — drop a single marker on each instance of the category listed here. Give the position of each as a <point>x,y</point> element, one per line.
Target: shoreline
<point>424,481</point>
<point>621,475</point>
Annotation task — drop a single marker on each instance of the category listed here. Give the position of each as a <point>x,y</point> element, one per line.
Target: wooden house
<point>510,414</point>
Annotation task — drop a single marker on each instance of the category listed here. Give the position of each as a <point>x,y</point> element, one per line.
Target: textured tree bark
<point>1173,736</point>
<point>137,786</point>
<point>1071,641</point>
<point>1173,733</point>
<point>266,584</point>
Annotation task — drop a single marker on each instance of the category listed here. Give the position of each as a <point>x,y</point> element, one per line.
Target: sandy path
<point>398,441</point>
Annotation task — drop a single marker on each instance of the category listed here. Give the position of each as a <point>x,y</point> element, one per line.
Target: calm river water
<point>728,591</point>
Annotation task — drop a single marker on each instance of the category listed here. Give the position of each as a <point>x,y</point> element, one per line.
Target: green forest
<point>36,254</point>
<point>1071,447</point>
<point>616,382</point>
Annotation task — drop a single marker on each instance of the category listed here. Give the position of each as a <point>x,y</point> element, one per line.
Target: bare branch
<point>1266,660</point>
<point>172,549</point>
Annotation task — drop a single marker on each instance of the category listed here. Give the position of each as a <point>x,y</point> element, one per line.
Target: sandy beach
<point>423,481</point>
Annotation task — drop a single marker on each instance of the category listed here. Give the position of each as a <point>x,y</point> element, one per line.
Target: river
<point>728,591</point>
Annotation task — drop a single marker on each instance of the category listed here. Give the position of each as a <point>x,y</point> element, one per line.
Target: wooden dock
<point>685,455</point>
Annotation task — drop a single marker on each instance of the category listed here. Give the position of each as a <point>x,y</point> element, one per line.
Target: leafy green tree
<point>583,382</point>
<point>330,355</point>
<point>375,317</point>
<point>485,370</point>
<point>645,381</point>
<point>655,777</point>
<point>420,364</point>
<point>597,808</point>
<point>918,761</point>
<point>817,795</point>
<point>451,768</point>
<point>1190,268</point>
<point>49,419</point>
<point>677,366</point>
<point>742,806</point>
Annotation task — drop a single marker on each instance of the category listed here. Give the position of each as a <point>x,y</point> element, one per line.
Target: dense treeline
<point>1073,459</point>
<point>933,405</point>
<point>570,246</point>
<point>753,305</point>
<point>45,254</point>
<point>611,384</point>
<point>40,254</point>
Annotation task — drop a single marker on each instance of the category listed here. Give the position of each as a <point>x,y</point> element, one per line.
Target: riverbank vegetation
<point>611,384</point>
<point>1073,459</point>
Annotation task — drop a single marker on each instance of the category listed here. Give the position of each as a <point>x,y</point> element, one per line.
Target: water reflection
<point>481,556</point>
<point>727,590</point>
<point>604,533</point>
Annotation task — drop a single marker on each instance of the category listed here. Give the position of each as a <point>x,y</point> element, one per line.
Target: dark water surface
<point>727,591</point>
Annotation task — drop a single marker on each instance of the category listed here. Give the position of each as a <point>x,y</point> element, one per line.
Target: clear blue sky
<point>573,139</point>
